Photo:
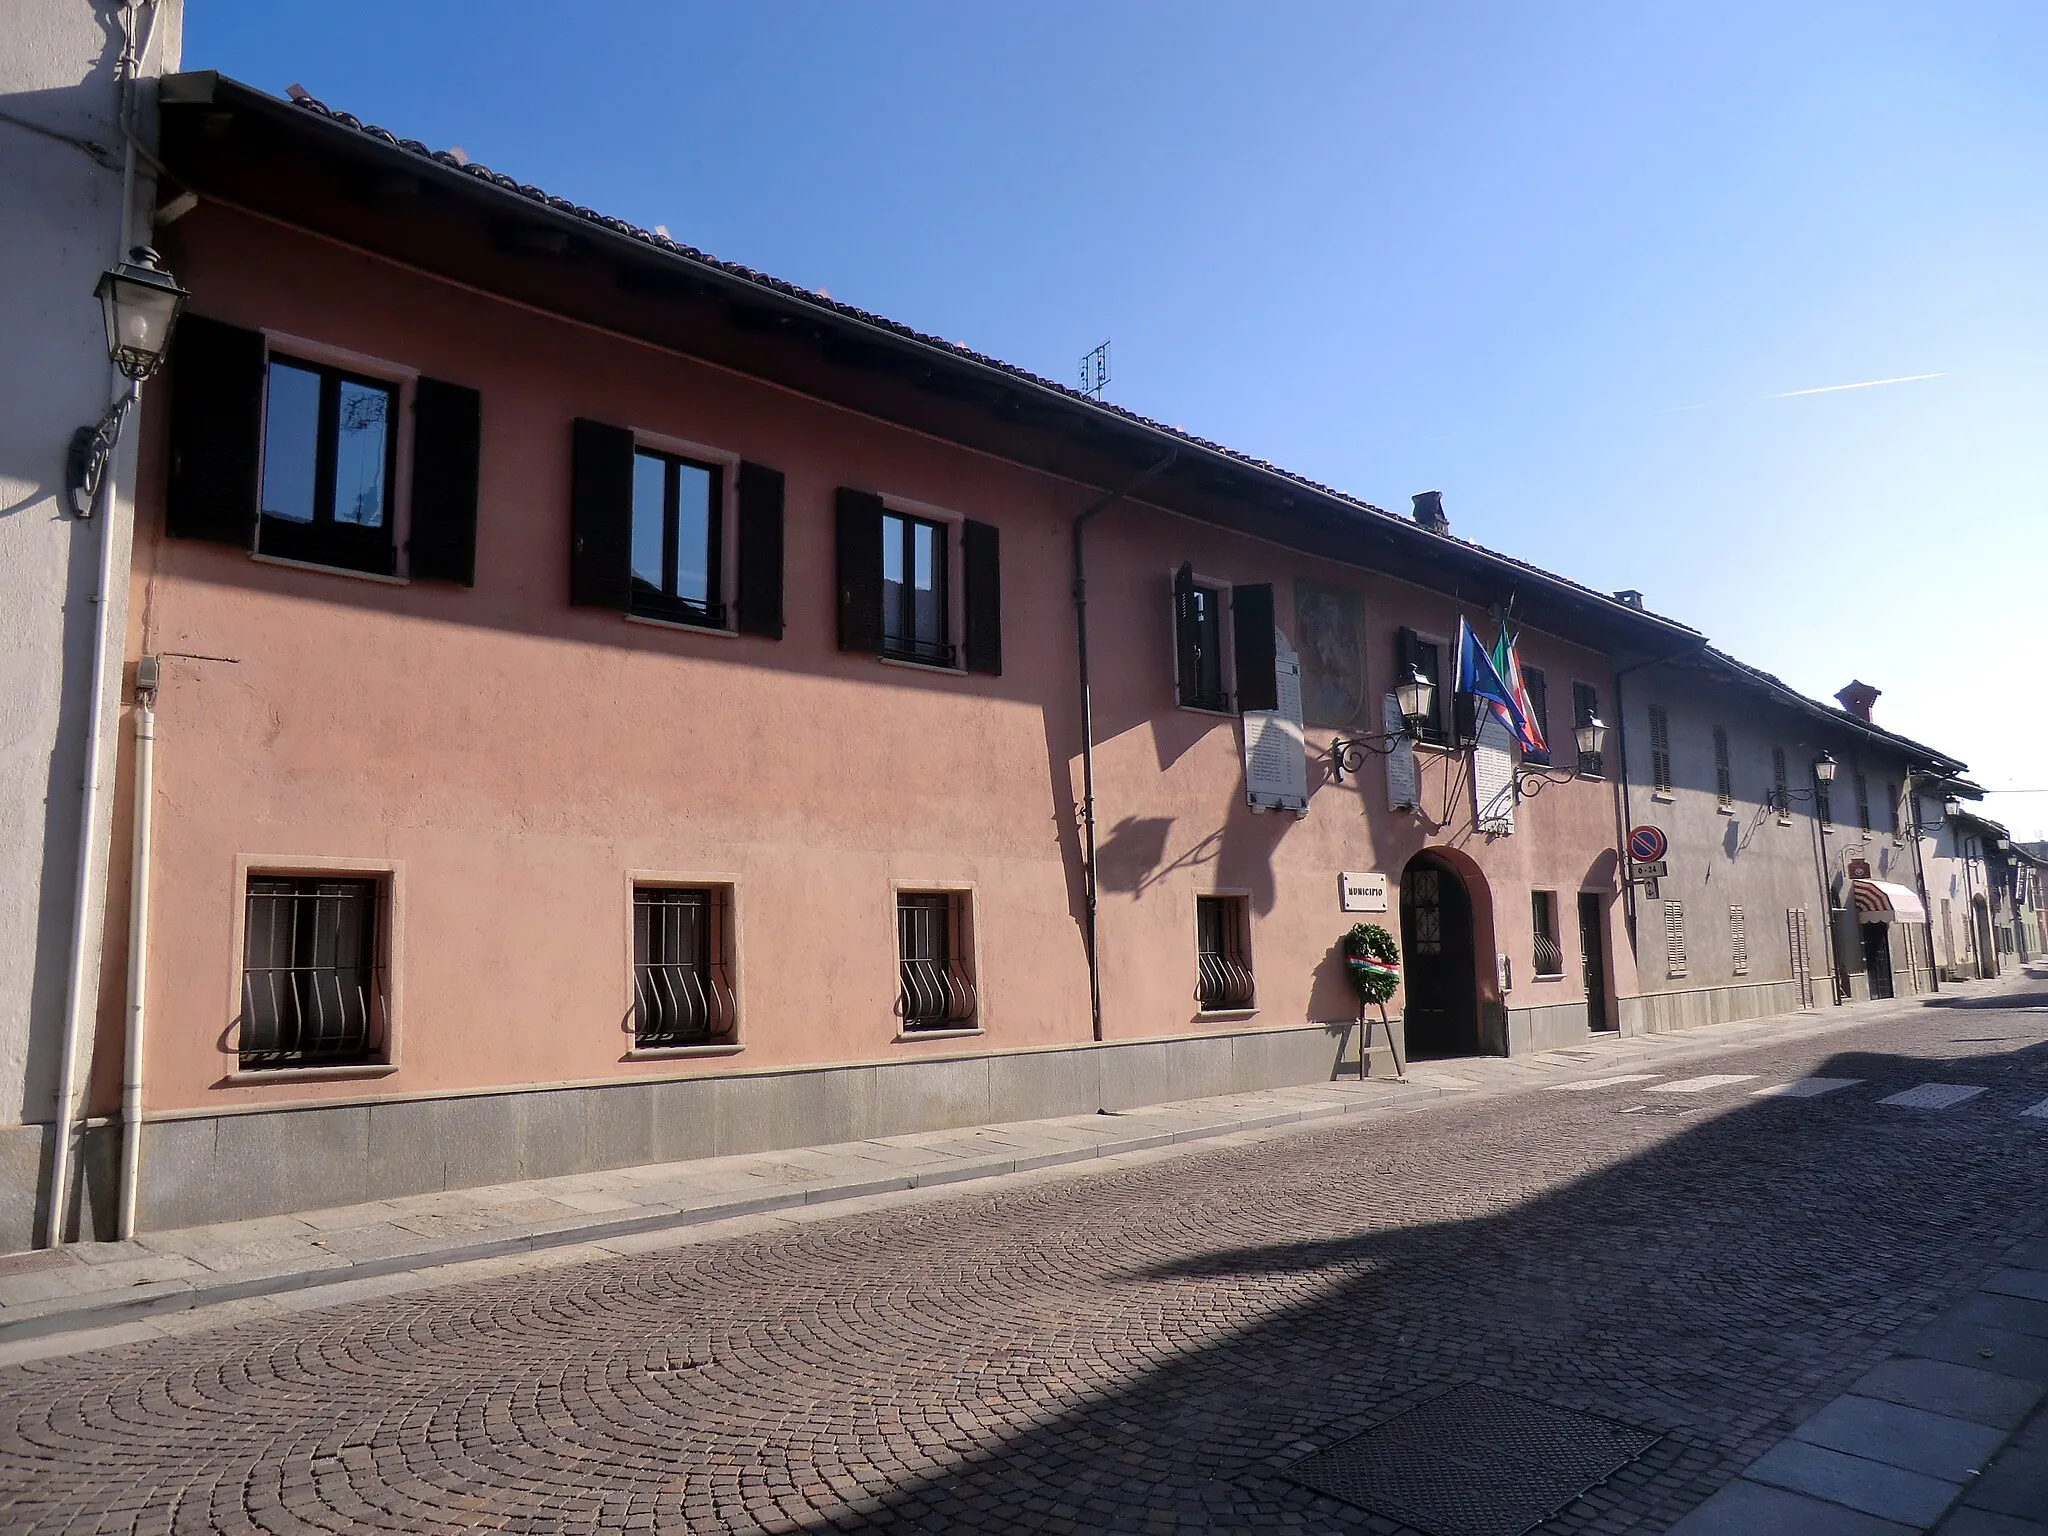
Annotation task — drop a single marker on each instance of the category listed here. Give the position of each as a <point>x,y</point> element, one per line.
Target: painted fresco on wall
<point>1330,625</point>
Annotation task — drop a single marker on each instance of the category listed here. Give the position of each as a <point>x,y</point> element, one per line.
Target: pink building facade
<point>609,708</point>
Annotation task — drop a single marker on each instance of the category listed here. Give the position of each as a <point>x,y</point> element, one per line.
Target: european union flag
<point>1478,676</point>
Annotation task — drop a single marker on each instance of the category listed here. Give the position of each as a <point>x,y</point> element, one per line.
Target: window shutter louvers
<point>447,436</point>
<point>216,432</point>
<point>601,516</point>
<point>982,578</point>
<point>760,551</point>
<point>859,536</point>
<point>1187,638</point>
<point>1251,626</point>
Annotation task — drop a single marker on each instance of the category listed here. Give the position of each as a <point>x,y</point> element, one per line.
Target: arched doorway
<point>1442,1013</point>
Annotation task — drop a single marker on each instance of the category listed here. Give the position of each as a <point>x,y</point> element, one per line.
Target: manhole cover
<point>1474,1462</point>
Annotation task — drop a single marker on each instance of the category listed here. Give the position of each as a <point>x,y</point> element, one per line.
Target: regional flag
<point>1507,661</point>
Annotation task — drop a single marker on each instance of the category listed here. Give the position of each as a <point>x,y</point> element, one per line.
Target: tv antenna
<point>1095,371</point>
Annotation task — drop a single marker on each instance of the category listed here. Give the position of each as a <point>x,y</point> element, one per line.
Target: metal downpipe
<point>138,947</point>
<point>1081,521</point>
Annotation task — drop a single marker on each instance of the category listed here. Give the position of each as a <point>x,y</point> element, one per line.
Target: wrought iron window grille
<point>1547,952</point>
<point>312,985</point>
<point>934,989</point>
<point>682,985</point>
<point>1223,975</point>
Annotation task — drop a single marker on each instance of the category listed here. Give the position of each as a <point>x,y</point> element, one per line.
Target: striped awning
<point>1879,901</point>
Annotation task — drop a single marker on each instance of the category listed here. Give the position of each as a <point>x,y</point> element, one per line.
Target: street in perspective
<point>1135,769</point>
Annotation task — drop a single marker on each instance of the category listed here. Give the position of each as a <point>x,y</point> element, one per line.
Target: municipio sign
<point>1646,844</point>
<point>1364,892</point>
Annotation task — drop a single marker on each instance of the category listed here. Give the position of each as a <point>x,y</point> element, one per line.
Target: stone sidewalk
<point>122,1292</point>
<point>1949,1436</point>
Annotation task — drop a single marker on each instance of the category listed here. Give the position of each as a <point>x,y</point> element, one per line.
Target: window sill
<point>923,666</point>
<point>1203,709</point>
<point>681,1052</point>
<point>1547,976</point>
<point>1663,796</point>
<point>258,1075</point>
<point>1442,748</point>
<point>1784,821</point>
<point>678,624</point>
<point>329,570</point>
<point>1725,810</point>
<point>1224,1015</point>
<point>903,1035</point>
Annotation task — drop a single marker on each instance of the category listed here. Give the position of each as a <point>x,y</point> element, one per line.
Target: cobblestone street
<point>1144,1348</point>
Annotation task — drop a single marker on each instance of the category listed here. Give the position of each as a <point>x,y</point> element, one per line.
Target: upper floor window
<point>1539,706</point>
<point>285,454</point>
<point>1891,809</point>
<point>678,539</point>
<point>650,532</point>
<point>1660,750</point>
<point>1586,709</point>
<point>1781,789</point>
<point>1724,775</point>
<point>914,615</point>
<point>1199,675</point>
<point>1413,652</point>
<point>330,451</point>
<point>898,572</point>
<point>1862,801</point>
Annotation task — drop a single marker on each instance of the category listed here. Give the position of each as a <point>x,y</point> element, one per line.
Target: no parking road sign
<point>1646,845</point>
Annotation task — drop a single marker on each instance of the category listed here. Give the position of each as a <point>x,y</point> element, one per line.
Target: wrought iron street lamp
<point>1590,737</point>
<point>1824,768</point>
<point>1414,696</point>
<point>140,303</point>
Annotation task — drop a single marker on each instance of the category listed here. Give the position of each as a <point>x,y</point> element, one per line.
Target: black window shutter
<point>859,517</point>
<point>447,435</point>
<point>982,573</point>
<point>1187,638</point>
<point>1405,655</point>
<point>601,516</point>
<point>760,551</point>
<point>1251,625</point>
<point>216,431</point>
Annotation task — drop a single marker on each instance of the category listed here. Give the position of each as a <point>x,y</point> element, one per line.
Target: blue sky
<point>1566,263</point>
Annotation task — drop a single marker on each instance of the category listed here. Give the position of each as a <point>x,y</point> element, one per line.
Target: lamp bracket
<point>91,448</point>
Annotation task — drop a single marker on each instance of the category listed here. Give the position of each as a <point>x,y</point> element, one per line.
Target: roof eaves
<point>1932,758</point>
<point>214,85</point>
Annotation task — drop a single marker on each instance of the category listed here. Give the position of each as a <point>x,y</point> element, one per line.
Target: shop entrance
<point>1442,1013</point>
<point>1877,958</point>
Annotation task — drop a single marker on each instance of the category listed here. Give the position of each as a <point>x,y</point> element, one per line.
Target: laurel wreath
<point>1372,961</point>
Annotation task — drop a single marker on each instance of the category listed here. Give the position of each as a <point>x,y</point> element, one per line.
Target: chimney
<point>1857,699</point>
<point>1630,596</point>
<point>1429,511</point>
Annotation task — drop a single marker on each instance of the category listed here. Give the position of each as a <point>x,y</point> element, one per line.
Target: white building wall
<point>61,183</point>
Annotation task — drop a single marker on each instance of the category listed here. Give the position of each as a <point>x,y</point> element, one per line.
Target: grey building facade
<point>1781,891</point>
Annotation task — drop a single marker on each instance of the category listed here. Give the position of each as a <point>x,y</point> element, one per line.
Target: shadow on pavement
<point>1726,1271</point>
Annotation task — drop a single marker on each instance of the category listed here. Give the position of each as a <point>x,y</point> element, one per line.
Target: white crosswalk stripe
<point>1703,1084</point>
<point>1805,1088</point>
<point>2038,1111</point>
<point>1586,1085</point>
<point>1932,1096</point>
